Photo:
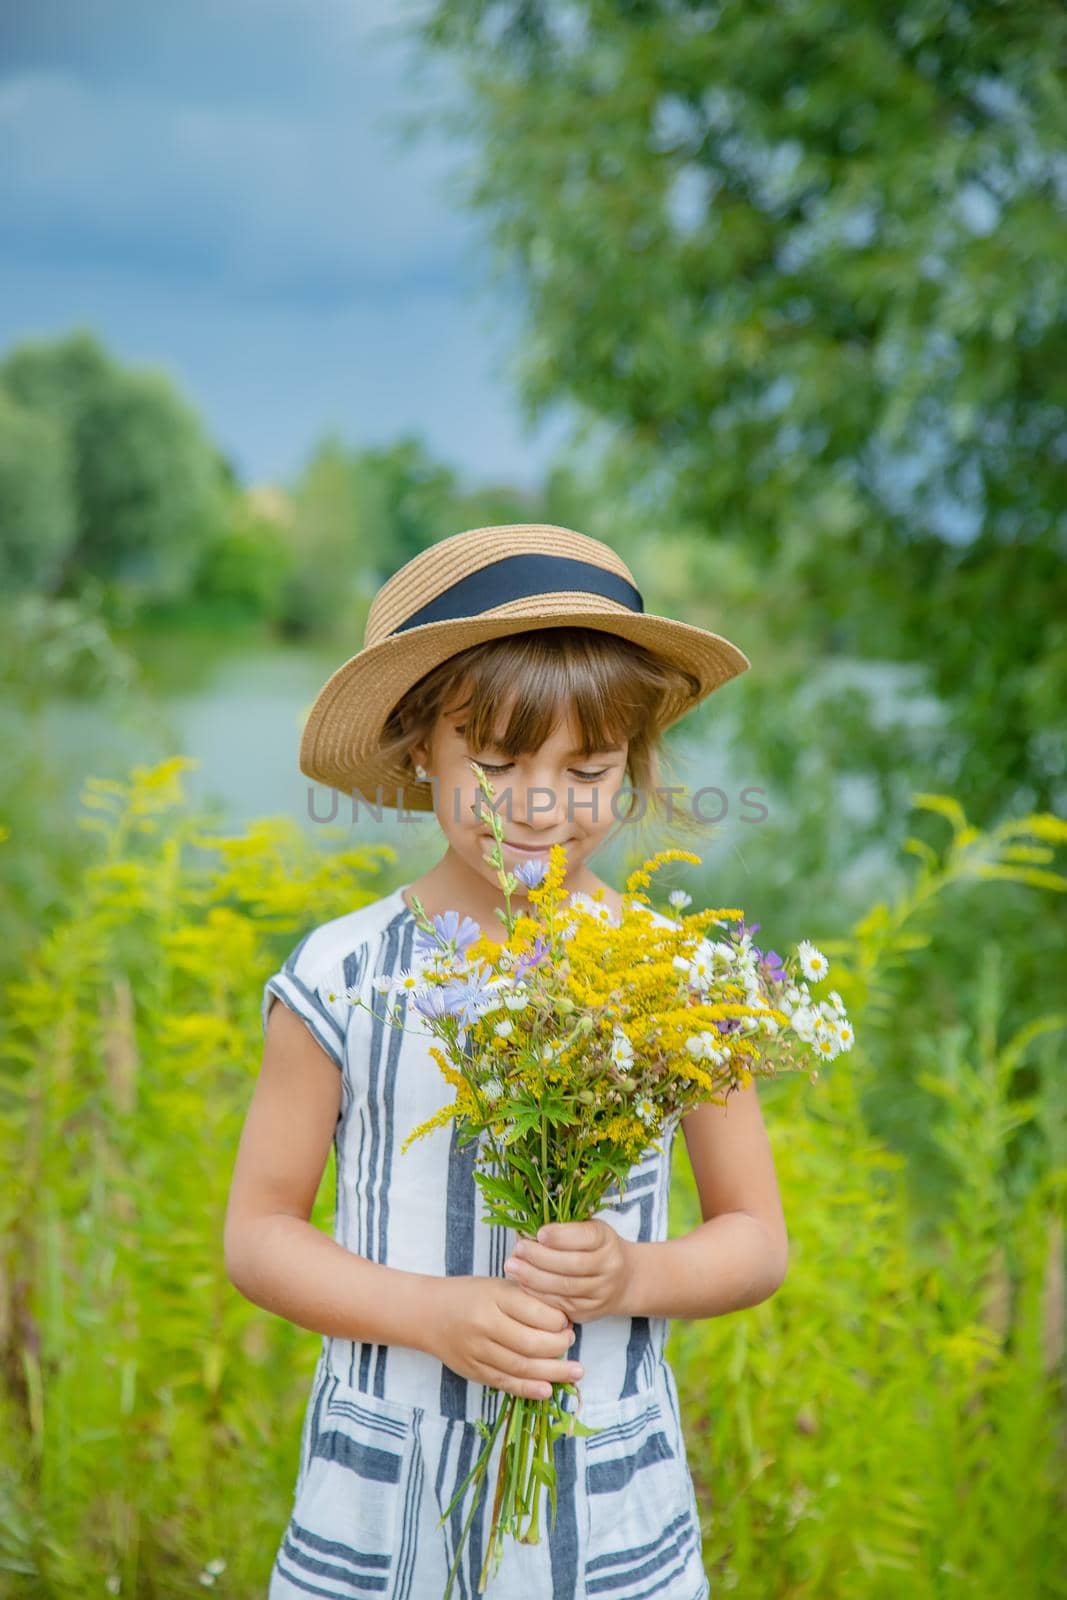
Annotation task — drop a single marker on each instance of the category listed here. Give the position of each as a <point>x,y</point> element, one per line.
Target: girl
<point>527,649</point>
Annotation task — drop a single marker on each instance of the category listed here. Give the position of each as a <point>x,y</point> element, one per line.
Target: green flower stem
<point>543,1456</point>
<point>477,1473</point>
<point>527,1445</point>
<point>500,1522</point>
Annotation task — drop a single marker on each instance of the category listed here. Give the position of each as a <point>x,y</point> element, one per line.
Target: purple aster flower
<point>531,873</point>
<point>468,999</point>
<point>432,1002</point>
<point>449,931</point>
<point>728,1024</point>
<point>772,966</point>
<point>531,958</point>
<point>769,960</point>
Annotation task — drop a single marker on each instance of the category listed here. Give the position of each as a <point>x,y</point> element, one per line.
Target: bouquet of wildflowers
<point>572,1046</point>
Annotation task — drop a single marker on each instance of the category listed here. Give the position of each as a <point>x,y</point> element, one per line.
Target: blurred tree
<point>408,500</point>
<point>809,264</point>
<point>148,483</point>
<point>358,515</point>
<point>54,647</point>
<point>328,539</point>
<point>494,504</point>
<point>248,566</point>
<point>38,519</point>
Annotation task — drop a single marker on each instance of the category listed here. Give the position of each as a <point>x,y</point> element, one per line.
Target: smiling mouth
<point>529,849</point>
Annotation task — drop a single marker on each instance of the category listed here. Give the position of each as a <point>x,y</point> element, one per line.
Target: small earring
<point>420,771</point>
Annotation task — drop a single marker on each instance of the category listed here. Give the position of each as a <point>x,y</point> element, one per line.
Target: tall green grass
<point>889,1424</point>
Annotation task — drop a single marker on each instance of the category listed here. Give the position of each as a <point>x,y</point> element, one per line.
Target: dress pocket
<point>344,1532</point>
<point>642,1533</point>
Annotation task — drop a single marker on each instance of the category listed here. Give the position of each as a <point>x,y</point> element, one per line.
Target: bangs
<point>609,687</point>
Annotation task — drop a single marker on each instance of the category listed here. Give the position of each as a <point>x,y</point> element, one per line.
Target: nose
<point>538,806</point>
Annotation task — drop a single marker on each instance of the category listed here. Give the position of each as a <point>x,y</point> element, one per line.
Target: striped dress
<point>389,1433</point>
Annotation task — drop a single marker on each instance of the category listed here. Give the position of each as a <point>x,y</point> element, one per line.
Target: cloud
<point>221,187</point>
<point>256,52</point>
<point>256,144</point>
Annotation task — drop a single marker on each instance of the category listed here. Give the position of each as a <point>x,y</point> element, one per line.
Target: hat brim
<point>341,738</point>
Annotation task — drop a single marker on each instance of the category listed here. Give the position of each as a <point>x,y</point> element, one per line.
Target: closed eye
<point>583,777</point>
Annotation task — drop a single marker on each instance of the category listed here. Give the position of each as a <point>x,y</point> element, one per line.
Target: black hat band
<point>522,577</point>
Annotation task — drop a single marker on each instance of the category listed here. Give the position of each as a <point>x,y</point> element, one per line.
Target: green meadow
<point>799,274</point>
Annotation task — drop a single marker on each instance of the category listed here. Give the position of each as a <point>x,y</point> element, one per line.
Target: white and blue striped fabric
<point>389,1432</point>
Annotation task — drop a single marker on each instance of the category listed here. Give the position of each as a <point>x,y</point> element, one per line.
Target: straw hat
<point>484,584</point>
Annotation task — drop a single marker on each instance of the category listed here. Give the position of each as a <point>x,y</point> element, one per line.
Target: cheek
<point>467,807</point>
<point>609,808</point>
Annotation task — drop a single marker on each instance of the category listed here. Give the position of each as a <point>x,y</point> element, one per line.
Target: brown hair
<point>615,688</point>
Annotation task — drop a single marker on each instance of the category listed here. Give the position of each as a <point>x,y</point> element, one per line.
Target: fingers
<point>526,1389</point>
<point>571,1235</point>
<point>530,1376</point>
<point>559,1263</point>
<point>557,1289</point>
<point>514,1302</point>
<point>536,1343</point>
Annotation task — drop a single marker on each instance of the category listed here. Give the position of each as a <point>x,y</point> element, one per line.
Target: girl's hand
<point>497,1334</point>
<point>584,1268</point>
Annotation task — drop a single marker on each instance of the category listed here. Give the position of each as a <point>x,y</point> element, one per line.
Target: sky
<point>222,188</point>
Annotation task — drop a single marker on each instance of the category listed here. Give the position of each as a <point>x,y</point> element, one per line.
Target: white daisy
<point>679,899</point>
<point>814,964</point>
<point>700,973</point>
<point>828,1045</point>
<point>492,1088</point>
<point>846,1035</point>
<point>505,1029</point>
<point>703,1047</point>
<point>622,1051</point>
<point>803,1024</point>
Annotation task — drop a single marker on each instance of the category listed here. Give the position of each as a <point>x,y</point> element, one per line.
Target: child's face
<point>553,796</point>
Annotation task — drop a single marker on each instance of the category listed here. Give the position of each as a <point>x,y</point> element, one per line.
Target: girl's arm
<point>739,1255</point>
<point>274,1254</point>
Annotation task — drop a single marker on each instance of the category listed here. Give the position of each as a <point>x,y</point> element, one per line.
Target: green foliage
<point>130,1368</point>
<point>361,513</point>
<point>891,1422</point>
<point>1019,850</point>
<point>887,1424</point>
<point>807,265</point>
<point>37,510</point>
<point>148,484</point>
<point>59,647</point>
<point>364,512</point>
<point>248,569</point>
